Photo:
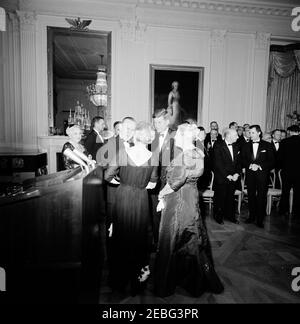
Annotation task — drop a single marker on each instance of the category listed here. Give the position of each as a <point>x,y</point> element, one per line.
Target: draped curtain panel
<point>283,95</point>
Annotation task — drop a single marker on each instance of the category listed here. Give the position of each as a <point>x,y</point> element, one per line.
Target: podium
<point>52,238</point>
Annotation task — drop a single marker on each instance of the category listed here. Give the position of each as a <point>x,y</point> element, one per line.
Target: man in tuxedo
<point>212,136</point>
<point>245,138</point>
<point>162,148</point>
<point>275,141</point>
<point>258,159</point>
<point>227,170</point>
<point>289,162</point>
<point>94,140</point>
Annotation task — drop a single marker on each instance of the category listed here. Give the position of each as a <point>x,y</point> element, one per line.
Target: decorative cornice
<point>218,37</point>
<point>219,7</point>
<point>26,17</point>
<point>132,30</point>
<point>262,40</point>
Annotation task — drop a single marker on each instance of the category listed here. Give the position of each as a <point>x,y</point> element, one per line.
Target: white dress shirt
<point>255,148</point>
<point>229,145</point>
<point>162,137</point>
<point>101,138</point>
<point>276,145</point>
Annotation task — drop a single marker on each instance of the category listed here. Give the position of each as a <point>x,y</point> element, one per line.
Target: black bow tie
<point>229,144</point>
<point>257,142</point>
<point>213,140</point>
<point>276,142</point>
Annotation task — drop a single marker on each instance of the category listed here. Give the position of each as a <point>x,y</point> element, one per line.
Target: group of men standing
<point>253,158</point>
<point>230,157</point>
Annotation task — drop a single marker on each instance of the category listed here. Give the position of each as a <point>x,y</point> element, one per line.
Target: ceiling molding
<point>221,7</point>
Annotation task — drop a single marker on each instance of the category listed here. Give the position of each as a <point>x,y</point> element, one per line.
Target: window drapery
<point>283,95</point>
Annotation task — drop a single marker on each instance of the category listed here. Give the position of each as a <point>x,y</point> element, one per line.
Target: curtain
<point>283,95</point>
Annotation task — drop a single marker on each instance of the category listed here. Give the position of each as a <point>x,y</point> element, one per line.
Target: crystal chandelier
<point>81,117</point>
<point>98,91</point>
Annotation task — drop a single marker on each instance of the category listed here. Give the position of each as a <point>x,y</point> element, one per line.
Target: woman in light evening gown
<point>183,256</point>
<point>131,236</point>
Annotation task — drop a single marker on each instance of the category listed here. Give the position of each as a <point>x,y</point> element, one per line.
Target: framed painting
<point>178,89</point>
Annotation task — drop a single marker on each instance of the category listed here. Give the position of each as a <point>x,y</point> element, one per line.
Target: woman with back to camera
<point>131,234</point>
<point>74,153</point>
<point>183,255</point>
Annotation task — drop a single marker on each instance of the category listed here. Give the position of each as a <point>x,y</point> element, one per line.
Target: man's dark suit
<point>242,141</point>
<point>223,166</point>
<point>163,157</point>
<point>277,167</point>
<point>92,143</point>
<point>207,140</point>
<point>289,162</point>
<point>257,181</point>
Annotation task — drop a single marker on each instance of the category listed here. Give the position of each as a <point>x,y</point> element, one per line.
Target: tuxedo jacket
<point>222,162</point>
<point>164,156</point>
<point>92,143</point>
<point>276,153</point>
<point>289,156</point>
<point>241,142</point>
<point>207,140</point>
<point>265,156</point>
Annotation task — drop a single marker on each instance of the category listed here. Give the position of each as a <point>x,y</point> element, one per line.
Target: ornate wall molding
<point>218,37</point>
<point>262,40</point>
<point>133,30</point>
<point>27,19</point>
<point>220,8</point>
<point>14,20</point>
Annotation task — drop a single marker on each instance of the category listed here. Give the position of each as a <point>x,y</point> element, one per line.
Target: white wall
<point>230,41</point>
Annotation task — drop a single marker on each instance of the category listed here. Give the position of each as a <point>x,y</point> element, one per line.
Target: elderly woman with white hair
<point>131,235</point>
<point>74,153</point>
<point>183,256</point>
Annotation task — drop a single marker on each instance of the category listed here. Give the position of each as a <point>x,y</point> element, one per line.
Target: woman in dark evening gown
<point>183,256</point>
<point>131,227</point>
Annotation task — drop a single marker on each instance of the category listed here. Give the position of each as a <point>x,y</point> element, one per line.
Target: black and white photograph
<point>149,154</point>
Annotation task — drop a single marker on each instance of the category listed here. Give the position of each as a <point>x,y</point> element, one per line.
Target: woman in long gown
<point>131,227</point>
<point>183,256</point>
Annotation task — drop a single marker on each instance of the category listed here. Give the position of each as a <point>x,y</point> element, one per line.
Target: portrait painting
<point>178,89</point>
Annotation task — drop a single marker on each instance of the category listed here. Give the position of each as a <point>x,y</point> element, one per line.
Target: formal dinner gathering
<point>150,152</point>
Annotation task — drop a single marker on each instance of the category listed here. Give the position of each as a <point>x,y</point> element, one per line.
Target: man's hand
<point>254,167</point>
<point>230,177</point>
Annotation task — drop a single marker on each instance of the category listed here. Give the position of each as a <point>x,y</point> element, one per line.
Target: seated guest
<point>75,153</point>
<point>94,140</point>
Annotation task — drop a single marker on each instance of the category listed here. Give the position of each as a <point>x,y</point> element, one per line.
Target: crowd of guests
<point>155,176</point>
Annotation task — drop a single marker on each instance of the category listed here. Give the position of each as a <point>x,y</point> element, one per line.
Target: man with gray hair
<point>227,168</point>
